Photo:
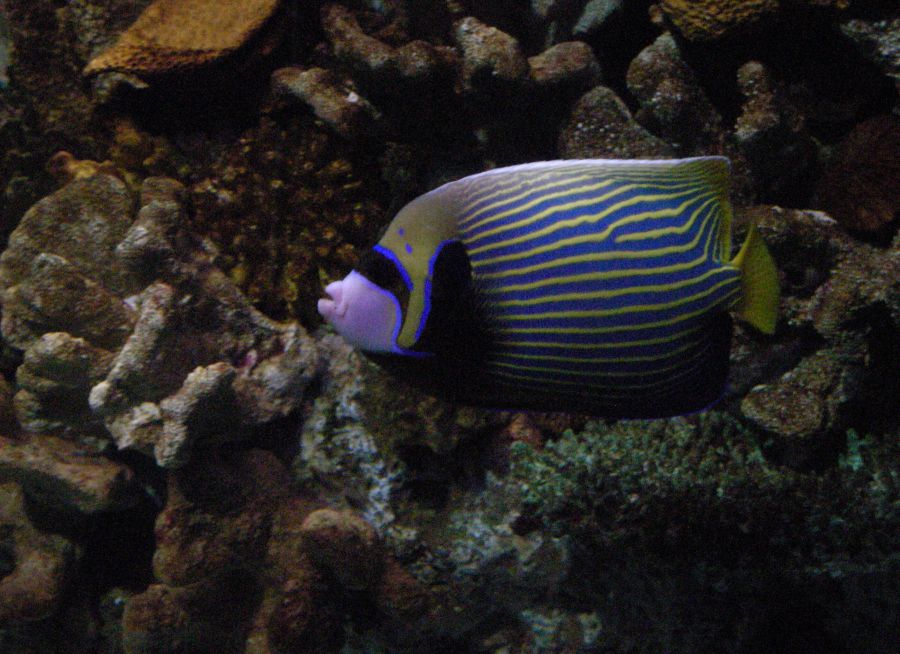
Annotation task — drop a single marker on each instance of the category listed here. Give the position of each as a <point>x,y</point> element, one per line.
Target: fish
<point>591,286</point>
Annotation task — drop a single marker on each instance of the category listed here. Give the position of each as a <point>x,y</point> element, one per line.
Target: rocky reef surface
<point>190,463</point>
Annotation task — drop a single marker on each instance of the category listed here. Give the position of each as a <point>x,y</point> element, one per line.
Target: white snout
<point>366,315</point>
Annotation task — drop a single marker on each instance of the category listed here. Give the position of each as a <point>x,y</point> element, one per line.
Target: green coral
<point>680,527</point>
<point>632,462</point>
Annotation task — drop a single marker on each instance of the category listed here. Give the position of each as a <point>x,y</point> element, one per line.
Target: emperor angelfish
<point>588,286</point>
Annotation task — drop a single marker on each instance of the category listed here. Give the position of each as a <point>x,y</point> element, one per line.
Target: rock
<point>878,41</point>
<point>860,186</point>
<point>812,400</point>
<point>492,60</point>
<point>345,545</point>
<point>66,168</point>
<point>845,294</point>
<point>601,126</point>
<point>63,476</point>
<point>672,100</point>
<point>35,567</point>
<point>414,66</point>
<point>272,362</point>
<point>48,247</point>
<point>57,296</point>
<point>569,66</point>
<point>230,536</point>
<point>333,102</point>
<point>596,15</point>
<point>176,35</point>
<point>54,380</point>
<point>771,133</point>
<point>359,426</point>
<point>217,517</point>
<point>8,423</point>
<point>210,615</point>
<point>411,611</point>
<point>148,364</point>
<point>829,280</point>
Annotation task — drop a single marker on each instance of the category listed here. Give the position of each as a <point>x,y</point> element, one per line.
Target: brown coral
<point>175,35</point>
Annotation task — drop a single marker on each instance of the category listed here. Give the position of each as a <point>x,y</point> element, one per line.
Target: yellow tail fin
<point>759,283</point>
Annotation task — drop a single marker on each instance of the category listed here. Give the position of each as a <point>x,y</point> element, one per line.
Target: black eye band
<point>383,272</point>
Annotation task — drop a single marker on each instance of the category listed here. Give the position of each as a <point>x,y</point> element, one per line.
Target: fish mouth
<point>332,307</point>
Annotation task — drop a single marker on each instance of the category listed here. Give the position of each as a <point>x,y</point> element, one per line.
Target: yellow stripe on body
<point>595,276</point>
<point>591,258</point>
<point>597,295</point>
<point>598,346</point>
<point>637,308</point>
<point>596,237</point>
<point>727,300</point>
<point>541,198</point>
<point>612,274</point>
<point>664,231</point>
<point>584,375</point>
<point>587,359</point>
<point>698,360</point>
<point>533,185</point>
<point>558,177</point>
<point>588,219</point>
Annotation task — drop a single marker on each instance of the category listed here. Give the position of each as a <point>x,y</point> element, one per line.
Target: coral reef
<point>491,58</point>
<point>36,566</point>
<point>771,133</point>
<point>233,531</point>
<point>570,64</point>
<point>189,463</point>
<point>847,295</point>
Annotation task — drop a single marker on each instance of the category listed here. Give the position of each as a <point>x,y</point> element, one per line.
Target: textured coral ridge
<point>173,35</point>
